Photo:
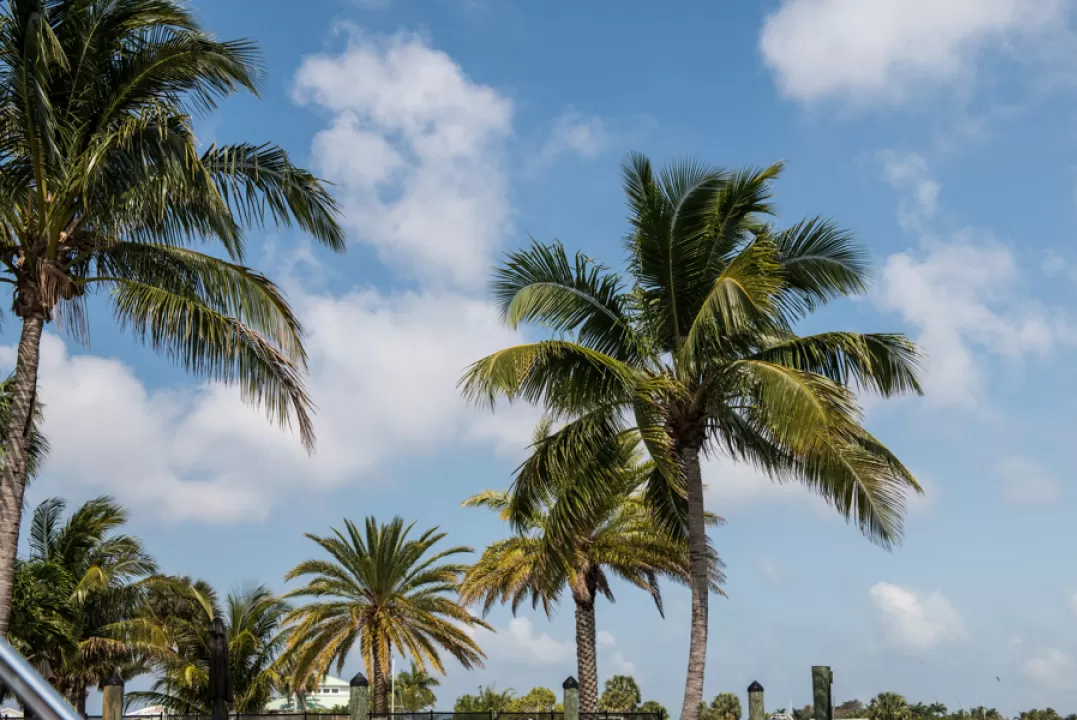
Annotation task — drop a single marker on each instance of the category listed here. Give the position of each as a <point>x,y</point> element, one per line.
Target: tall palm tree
<point>389,593</point>
<point>253,626</point>
<point>614,535</point>
<point>81,587</point>
<point>696,348</point>
<point>103,187</point>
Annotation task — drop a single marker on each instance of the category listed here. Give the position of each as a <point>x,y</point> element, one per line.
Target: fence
<point>438,715</point>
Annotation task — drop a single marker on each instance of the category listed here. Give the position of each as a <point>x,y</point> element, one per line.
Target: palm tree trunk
<point>586,658</point>
<point>13,480</point>
<point>699,566</point>
<point>381,683</point>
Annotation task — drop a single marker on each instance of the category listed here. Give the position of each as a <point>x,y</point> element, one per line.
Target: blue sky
<point>942,134</point>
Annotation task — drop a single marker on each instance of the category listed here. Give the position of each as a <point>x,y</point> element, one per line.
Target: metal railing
<point>32,690</point>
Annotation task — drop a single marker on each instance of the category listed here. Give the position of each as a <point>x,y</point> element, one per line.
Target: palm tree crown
<point>697,351</point>
<point>385,591</point>
<point>76,593</point>
<point>253,626</point>
<point>104,188</point>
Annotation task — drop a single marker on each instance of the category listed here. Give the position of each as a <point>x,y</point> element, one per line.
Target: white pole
<point>392,685</point>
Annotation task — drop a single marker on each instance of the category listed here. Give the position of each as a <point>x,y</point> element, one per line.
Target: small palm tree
<point>253,626</point>
<point>613,533</point>
<point>81,586</point>
<point>889,706</point>
<point>413,689</point>
<point>695,350</point>
<point>386,592</point>
<point>620,694</point>
<point>104,188</point>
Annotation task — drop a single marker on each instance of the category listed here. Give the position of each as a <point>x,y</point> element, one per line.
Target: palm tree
<point>889,706</point>
<point>413,688</point>
<point>253,624</point>
<point>488,700</point>
<point>724,706</point>
<point>81,587</point>
<point>103,186</point>
<point>696,349</point>
<point>387,592</point>
<point>615,536</point>
<point>620,694</point>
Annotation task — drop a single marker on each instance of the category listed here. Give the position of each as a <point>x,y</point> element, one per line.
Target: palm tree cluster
<point>692,351</point>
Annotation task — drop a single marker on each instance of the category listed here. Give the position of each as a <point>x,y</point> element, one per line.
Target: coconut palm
<point>695,347</point>
<point>80,589</point>
<point>413,689</point>
<point>387,592</point>
<point>103,187</point>
<point>253,626</point>
<point>615,536</point>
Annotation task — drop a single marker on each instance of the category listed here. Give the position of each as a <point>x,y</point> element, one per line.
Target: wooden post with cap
<point>112,698</point>
<point>571,698</point>
<point>358,698</point>
<point>756,708</point>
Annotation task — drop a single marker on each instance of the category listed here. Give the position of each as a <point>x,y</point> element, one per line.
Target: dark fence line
<point>416,715</point>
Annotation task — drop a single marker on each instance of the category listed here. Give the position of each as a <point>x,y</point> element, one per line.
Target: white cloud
<point>1053,669</point>
<point>880,50</point>
<point>606,642</point>
<point>519,643</point>
<point>915,621</point>
<point>575,133</point>
<point>1027,483</point>
<point>416,149</point>
<point>909,172</point>
<point>383,376</point>
<point>960,291</point>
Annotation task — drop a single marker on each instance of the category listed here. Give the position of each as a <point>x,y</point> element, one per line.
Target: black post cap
<point>755,687</point>
<point>570,684</point>
<point>359,681</point>
<point>113,681</point>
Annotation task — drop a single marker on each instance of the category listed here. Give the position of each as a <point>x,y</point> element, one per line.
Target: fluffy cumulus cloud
<point>1052,668</point>
<point>416,148</point>
<point>962,292</point>
<point>383,376</point>
<point>870,50</point>
<point>915,621</point>
<point>1026,483</point>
